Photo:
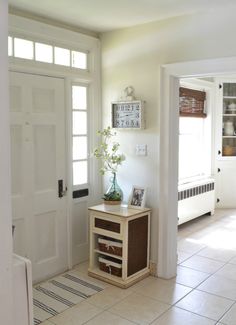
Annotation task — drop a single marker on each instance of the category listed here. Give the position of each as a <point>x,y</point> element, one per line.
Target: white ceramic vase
<point>228,128</point>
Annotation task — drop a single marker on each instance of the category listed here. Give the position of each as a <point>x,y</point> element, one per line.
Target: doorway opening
<point>170,78</point>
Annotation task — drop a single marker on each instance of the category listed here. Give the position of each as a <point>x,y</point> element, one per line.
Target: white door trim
<point>168,176</point>
<point>6,296</point>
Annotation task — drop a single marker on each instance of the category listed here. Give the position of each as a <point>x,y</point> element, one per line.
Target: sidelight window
<point>79,134</point>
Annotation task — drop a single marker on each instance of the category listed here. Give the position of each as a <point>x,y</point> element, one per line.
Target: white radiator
<point>196,199</point>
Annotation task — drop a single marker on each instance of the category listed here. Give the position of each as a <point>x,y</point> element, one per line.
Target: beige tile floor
<point>203,293</point>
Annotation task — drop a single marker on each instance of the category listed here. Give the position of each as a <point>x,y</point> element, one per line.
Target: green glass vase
<point>114,192</point>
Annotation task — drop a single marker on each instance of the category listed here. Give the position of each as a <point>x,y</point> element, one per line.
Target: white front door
<point>37,106</point>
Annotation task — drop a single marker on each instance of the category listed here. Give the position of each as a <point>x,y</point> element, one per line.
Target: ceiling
<point>106,15</point>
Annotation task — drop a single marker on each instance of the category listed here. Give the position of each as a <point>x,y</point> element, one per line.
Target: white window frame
<point>55,45</point>
<point>85,185</point>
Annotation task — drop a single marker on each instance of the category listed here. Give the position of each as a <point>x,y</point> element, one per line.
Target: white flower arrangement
<point>107,152</point>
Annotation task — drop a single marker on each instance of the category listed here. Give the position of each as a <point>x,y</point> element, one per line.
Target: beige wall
<point>5,211</point>
<point>133,56</point>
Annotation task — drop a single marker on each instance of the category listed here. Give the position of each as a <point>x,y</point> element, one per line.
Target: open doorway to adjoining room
<point>169,143</point>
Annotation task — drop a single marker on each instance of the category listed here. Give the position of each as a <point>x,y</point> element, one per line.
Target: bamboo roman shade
<point>192,102</point>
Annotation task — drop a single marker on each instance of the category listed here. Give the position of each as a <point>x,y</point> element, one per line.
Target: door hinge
<point>220,86</point>
<point>219,152</point>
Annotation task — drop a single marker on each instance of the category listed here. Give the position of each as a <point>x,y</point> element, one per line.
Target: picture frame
<point>137,197</point>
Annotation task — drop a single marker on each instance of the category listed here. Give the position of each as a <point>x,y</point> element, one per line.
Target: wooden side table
<point>119,244</point>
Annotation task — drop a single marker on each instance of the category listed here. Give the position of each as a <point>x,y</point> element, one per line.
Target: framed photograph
<point>137,198</point>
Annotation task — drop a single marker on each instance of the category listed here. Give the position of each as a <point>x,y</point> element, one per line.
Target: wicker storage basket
<point>110,266</point>
<point>110,246</point>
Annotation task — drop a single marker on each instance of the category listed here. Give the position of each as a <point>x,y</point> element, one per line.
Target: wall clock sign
<point>128,114</point>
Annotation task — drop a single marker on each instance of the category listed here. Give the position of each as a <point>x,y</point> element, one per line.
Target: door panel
<point>38,161</point>
<point>16,161</point>
<point>226,184</point>
<point>43,100</point>
<point>44,142</point>
<point>16,98</point>
<point>45,236</point>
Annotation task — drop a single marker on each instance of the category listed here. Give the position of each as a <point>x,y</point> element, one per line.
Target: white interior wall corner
<point>5,203</point>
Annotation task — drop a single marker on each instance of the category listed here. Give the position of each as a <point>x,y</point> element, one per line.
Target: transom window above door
<point>46,53</point>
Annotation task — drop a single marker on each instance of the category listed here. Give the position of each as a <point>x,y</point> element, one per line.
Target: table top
<point>118,210</point>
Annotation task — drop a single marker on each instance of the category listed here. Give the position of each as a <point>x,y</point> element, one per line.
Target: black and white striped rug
<point>52,297</point>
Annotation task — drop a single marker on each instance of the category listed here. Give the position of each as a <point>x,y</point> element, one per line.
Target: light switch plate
<point>141,150</point>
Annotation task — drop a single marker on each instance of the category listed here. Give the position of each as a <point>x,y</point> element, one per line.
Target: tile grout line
<point>112,305</point>
<point>158,317</point>
<point>134,292</point>
<point>210,275</point>
<point>227,311</point>
<point>102,311</point>
<point>192,312</point>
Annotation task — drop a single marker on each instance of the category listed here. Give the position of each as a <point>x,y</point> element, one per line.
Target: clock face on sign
<point>126,115</point>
